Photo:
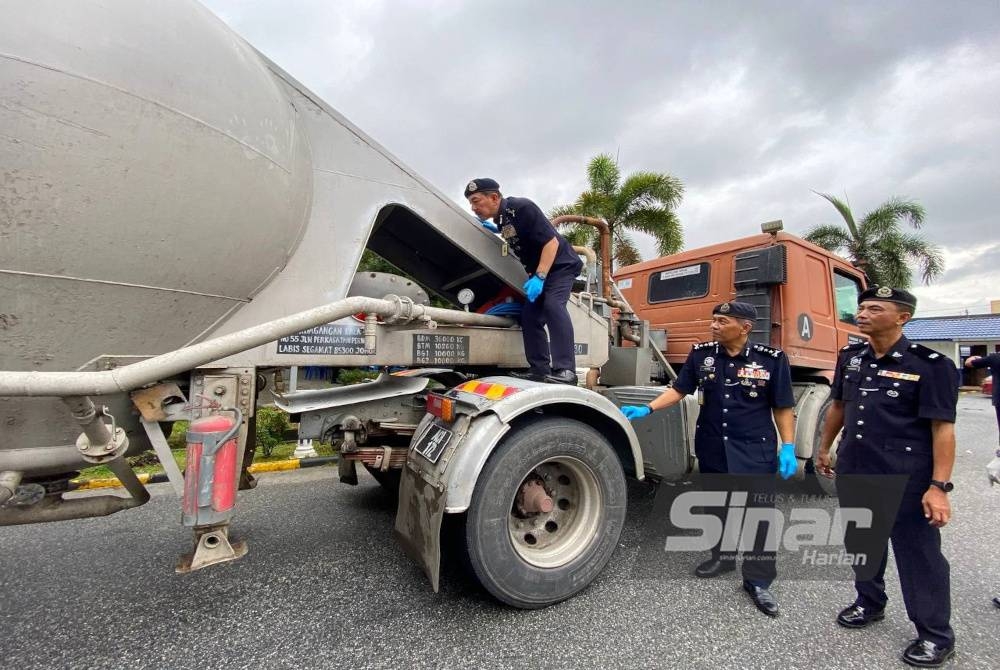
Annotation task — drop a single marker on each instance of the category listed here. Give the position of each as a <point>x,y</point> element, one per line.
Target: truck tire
<point>527,557</point>
<point>816,482</point>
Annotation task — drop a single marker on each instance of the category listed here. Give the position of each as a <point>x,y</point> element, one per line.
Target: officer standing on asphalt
<point>551,264</point>
<point>744,389</point>
<point>896,403</point>
<point>993,363</point>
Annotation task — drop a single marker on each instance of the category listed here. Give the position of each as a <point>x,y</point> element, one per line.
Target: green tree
<point>643,201</point>
<point>879,245</point>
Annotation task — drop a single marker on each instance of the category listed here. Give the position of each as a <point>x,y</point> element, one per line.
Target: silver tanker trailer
<point>180,220</point>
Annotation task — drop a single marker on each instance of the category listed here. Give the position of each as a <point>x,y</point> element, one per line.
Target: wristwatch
<point>650,408</point>
<point>541,275</point>
<point>944,486</point>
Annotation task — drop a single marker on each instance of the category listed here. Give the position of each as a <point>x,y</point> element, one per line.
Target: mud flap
<point>418,523</point>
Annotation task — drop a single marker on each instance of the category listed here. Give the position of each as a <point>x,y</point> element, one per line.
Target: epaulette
<point>924,352</point>
<point>854,345</point>
<point>704,345</point>
<point>766,350</point>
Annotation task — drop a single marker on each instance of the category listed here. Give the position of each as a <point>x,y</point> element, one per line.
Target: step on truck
<point>181,224</point>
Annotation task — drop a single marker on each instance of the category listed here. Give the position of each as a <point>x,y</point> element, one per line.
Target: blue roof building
<point>975,327</point>
<point>958,337</point>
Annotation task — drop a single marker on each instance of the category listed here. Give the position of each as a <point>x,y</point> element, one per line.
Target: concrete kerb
<point>155,478</point>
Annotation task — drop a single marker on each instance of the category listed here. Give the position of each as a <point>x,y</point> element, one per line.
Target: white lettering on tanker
<point>331,339</point>
<point>440,349</point>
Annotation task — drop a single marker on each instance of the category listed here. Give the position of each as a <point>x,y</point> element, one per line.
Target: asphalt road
<point>324,585</point>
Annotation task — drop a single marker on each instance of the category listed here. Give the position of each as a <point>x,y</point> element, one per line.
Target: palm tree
<point>878,246</point>
<point>644,201</point>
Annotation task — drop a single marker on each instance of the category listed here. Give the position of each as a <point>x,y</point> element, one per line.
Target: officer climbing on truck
<point>551,265</point>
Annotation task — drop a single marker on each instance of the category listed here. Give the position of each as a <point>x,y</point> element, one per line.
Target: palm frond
<point>594,203</point>
<point>579,235</point>
<point>844,209</point>
<point>645,189</point>
<point>562,210</point>
<point>888,215</point>
<point>603,174</point>
<point>927,256</point>
<point>625,251</point>
<point>659,222</point>
<point>830,237</point>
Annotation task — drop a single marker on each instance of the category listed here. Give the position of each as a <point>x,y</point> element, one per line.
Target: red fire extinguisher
<point>210,473</point>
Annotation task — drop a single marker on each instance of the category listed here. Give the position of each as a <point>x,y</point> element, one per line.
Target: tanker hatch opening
<point>439,265</point>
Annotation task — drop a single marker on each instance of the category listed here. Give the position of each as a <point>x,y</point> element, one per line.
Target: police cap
<point>482,185</point>
<point>739,310</point>
<point>889,294</point>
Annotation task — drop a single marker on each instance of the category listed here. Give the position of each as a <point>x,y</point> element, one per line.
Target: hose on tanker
<point>511,309</point>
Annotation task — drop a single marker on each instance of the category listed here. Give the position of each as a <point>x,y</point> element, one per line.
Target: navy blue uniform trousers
<point>549,309</point>
<point>923,570</point>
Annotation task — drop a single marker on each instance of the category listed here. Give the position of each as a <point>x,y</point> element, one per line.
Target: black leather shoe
<point>996,602</point>
<point>762,598</point>
<point>562,377</point>
<point>924,654</point>
<point>529,375</point>
<point>858,616</point>
<point>713,567</point>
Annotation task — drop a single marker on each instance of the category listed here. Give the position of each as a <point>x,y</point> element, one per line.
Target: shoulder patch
<point>926,352</point>
<point>766,350</point>
<point>704,345</point>
<point>853,346</point>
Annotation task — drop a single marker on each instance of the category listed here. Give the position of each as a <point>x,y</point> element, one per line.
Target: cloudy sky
<point>753,105</point>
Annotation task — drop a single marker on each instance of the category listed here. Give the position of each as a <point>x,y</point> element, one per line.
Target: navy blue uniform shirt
<point>735,431</point>
<point>993,363</point>
<point>889,403</point>
<point>526,230</point>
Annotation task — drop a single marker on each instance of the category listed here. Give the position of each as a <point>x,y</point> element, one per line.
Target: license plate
<point>433,442</point>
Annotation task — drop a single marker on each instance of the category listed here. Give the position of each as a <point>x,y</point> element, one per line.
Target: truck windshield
<point>846,289</point>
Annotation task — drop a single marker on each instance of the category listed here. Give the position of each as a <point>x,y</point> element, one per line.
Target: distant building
<point>958,337</point>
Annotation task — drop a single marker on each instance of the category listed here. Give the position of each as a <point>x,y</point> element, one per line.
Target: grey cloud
<point>528,91</point>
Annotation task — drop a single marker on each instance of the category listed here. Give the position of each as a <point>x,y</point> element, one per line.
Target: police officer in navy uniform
<point>551,264</point>
<point>744,390</point>
<point>896,404</point>
<point>992,362</point>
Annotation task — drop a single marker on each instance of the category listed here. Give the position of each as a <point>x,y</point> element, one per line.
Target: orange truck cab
<point>805,297</point>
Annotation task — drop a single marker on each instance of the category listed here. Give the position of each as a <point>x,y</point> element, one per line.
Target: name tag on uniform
<point>899,375</point>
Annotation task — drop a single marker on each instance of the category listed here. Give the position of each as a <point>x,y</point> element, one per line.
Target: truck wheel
<point>546,513</point>
<point>817,482</point>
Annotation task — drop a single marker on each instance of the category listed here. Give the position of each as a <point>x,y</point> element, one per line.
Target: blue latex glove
<point>787,464</point>
<point>533,287</point>
<point>633,412</point>
<point>489,225</point>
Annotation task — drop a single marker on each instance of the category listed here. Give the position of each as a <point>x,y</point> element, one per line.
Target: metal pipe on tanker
<point>129,377</point>
<point>85,413</point>
<point>605,232</point>
<point>58,509</point>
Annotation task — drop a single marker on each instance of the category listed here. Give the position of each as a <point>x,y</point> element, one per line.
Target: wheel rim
<point>554,538</point>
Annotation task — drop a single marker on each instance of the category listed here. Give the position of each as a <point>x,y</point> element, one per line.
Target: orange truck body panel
<point>811,311</point>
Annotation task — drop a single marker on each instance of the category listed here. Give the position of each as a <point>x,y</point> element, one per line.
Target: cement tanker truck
<point>180,220</point>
